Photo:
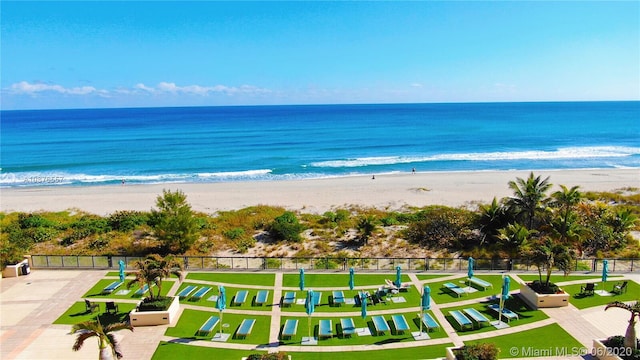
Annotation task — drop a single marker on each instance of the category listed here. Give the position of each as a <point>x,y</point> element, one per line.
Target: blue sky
<point>122,54</point>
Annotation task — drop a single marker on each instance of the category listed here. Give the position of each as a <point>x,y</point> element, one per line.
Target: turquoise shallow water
<point>206,144</point>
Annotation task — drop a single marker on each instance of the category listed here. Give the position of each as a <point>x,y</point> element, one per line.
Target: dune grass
<point>77,313</point>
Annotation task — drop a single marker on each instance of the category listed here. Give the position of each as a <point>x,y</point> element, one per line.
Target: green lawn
<point>338,280</point>
<point>411,297</point>
<point>231,292</point>
<point>559,278</point>
<point>530,343</point>
<point>267,280</point>
<point>582,302</point>
<point>96,290</point>
<point>442,296</point>
<point>77,313</point>
<point>514,303</point>
<point>337,339</point>
<point>191,320</point>
<point>170,351</point>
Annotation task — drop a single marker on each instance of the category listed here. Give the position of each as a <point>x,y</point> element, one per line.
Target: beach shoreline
<point>386,191</point>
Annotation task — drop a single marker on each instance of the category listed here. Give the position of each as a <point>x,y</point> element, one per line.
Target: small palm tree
<point>107,343</point>
<point>566,200</point>
<point>630,335</point>
<point>492,218</point>
<point>366,225</point>
<point>153,269</point>
<point>528,195</point>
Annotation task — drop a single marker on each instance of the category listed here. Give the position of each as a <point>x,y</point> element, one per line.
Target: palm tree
<point>107,343</point>
<point>548,254</point>
<point>566,199</point>
<point>153,269</point>
<point>630,335</point>
<point>514,235</point>
<point>366,225</point>
<point>528,195</point>
<point>492,218</point>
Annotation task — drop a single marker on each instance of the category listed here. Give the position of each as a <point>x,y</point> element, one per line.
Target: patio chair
<point>480,283</point>
<point>380,324</point>
<point>348,327</point>
<point>620,288</point>
<point>111,307</point>
<point>208,326</point>
<point>461,319</point>
<point>325,329</point>
<point>111,287</point>
<point>290,328</point>
<point>588,289</point>
<point>240,298</point>
<point>506,313</point>
<point>245,328</point>
<point>262,297</point>
<point>454,288</point>
<point>476,316</point>
<point>91,306</point>
<point>400,323</point>
<point>429,322</point>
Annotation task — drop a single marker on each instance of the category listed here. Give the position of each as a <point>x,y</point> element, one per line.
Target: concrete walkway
<point>30,304</point>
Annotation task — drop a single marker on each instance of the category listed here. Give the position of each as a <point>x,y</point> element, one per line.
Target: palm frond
<point>81,338</point>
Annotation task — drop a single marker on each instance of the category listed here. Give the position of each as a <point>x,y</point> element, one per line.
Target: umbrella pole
<point>501,306</point>
<point>220,322</point>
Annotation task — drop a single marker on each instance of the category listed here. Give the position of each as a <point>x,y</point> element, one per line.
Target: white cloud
<point>24,87</point>
<point>169,87</point>
<point>416,85</point>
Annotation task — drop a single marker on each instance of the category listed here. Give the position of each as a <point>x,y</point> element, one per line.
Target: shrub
<point>273,356</point>
<point>155,304</point>
<point>42,234</point>
<point>127,220</point>
<point>542,288</point>
<point>233,234</point>
<point>174,221</point>
<point>441,227</point>
<point>482,351</point>
<point>91,224</point>
<point>27,221</point>
<point>286,227</point>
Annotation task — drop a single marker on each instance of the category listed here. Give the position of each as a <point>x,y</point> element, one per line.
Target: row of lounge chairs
<point>243,331</point>
<point>116,284</point>
<point>471,318</point>
<point>240,297</point>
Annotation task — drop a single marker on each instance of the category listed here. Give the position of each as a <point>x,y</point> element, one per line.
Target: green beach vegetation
<point>551,229</point>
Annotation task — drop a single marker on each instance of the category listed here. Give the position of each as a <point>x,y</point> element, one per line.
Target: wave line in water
<point>559,154</point>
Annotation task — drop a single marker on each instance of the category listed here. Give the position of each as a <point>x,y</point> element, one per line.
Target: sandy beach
<point>391,191</point>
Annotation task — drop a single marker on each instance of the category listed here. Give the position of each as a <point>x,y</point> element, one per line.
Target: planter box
<point>537,301</point>
<point>600,351</point>
<point>150,318</point>
<point>16,270</point>
<point>450,354</point>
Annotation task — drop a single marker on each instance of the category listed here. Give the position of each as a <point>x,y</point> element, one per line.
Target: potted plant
<point>481,351</point>
<point>620,347</point>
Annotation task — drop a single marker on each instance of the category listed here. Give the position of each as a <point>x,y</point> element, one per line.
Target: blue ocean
<point>248,143</point>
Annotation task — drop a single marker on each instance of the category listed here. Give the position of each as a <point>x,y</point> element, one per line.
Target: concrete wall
<point>150,318</point>
<point>537,301</point>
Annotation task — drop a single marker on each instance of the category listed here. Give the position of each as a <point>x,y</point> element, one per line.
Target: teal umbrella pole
<point>352,282</point>
<point>398,277</point>
<point>301,280</point>
<point>605,270</point>
<point>504,296</point>
<point>363,303</point>
<point>310,308</point>
<point>122,267</point>
<point>425,303</point>
<point>221,304</point>
<point>470,269</point>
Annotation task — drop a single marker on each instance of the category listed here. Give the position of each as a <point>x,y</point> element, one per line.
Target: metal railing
<point>194,263</point>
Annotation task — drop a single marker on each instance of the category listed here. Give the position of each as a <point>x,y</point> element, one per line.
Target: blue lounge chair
<point>429,322</point>
<point>454,288</point>
<point>348,327</point>
<point>143,290</point>
<point>338,298</point>
<point>317,297</point>
<point>208,326</point>
<point>506,313</point>
<point>111,287</point>
<point>325,329</point>
<point>262,297</point>
<point>200,293</point>
<point>289,298</point>
<point>480,283</point>
<point>186,291</point>
<point>461,319</point>
<point>290,328</point>
<point>380,323</point>
<point>400,323</point>
<point>245,328</point>
<point>476,316</point>
<point>240,298</point>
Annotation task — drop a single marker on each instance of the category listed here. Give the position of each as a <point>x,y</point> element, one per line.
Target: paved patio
<point>30,304</point>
